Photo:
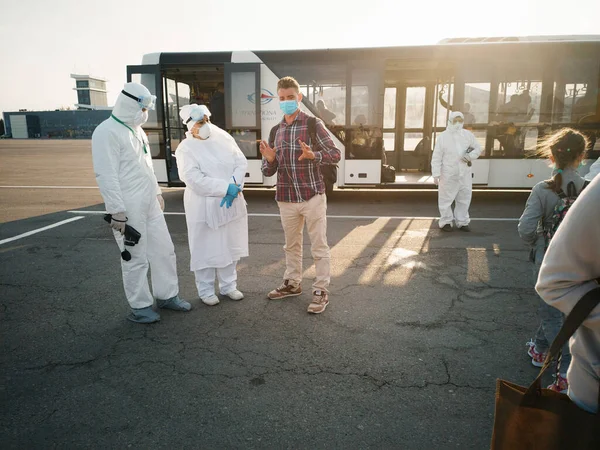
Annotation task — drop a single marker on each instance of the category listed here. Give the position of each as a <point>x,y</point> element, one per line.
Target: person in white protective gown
<point>454,150</point>
<point>213,169</point>
<point>125,176</point>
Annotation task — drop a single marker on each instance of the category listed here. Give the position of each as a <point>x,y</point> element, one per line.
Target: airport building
<point>92,109</point>
<point>91,92</point>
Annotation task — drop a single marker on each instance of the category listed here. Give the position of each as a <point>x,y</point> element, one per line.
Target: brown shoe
<point>319,302</point>
<point>285,290</point>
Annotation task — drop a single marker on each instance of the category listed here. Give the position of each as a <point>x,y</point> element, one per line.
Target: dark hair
<point>566,146</point>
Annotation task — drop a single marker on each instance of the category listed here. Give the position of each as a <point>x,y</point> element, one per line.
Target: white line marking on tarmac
<point>72,187</point>
<point>39,230</point>
<point>480,219</point>
<point>49,187</point>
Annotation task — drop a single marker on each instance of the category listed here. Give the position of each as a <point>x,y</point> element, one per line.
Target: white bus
<point>385,106</point>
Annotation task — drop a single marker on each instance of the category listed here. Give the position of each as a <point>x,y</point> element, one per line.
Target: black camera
<point>131,235</point>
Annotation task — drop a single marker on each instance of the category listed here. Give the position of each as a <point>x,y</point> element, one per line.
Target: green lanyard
<point>133,132</point>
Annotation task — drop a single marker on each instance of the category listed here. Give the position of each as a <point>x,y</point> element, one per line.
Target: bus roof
<point>526,44</point>
<point>556,38</point>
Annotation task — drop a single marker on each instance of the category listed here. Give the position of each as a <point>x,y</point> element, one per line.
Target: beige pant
<point>293,216</point>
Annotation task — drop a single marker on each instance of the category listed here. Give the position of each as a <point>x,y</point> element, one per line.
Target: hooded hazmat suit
<point>218,236</point>
<point>448,164</point>
<point>125,176</point>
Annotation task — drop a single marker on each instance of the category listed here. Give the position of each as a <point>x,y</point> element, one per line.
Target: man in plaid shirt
<point>300,193</point>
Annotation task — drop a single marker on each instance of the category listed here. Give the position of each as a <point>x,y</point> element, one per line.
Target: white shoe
<point>210,301</point>
<point>235,295</point>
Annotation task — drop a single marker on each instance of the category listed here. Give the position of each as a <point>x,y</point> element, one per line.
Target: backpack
<point>388,174</point>
<point>565,201</point>
<point>329,171</point>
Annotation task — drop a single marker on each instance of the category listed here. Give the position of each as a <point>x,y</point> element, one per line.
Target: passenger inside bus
<point>466,109</point>
<point>585,106</point>
<point>516,110</point>
<point>422,152</point>
<point>325,114</point>
<point>367,142</point>
<point>510,142</point>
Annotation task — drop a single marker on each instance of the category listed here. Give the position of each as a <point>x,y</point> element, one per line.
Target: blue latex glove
<point>228,200</point>
<point>233,190</point>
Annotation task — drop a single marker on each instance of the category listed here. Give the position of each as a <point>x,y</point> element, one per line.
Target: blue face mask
<point>288,107</point>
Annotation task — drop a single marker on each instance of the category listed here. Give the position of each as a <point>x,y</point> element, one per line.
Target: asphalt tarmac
<point>419,326</point>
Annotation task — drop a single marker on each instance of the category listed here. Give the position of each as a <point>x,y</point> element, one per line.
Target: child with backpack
<point>545,209</point>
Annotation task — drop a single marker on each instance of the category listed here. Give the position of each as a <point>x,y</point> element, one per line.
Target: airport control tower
<point>91,92</point>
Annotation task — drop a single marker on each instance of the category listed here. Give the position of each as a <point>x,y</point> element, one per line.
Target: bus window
<point>480,135</point>
<point>415,108</point>
<point>183,94</point>
<point>389,142</point>
<point>170,100</point>
<point>329,101</point>
<point>247,141</point>
<point>519,101</point>
<point>389,119</point>
<point>148,80</point>
<point>411,140</point>
<point>323,87</point>
<point>445,98</point>
<point>365,96</point>
<point>576,92</point>
<point>177,95</point>
<point>577,101</point>
<point>476,103</point>
<point>366,137</point>
<point>518,104</point>
<point>155,139</point>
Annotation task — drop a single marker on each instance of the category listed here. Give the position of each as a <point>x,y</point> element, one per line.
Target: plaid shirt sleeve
<point>325,150</point>
<point>269,169</point>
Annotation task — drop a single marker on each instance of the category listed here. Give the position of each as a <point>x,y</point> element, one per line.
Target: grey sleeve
<point>533,213</point>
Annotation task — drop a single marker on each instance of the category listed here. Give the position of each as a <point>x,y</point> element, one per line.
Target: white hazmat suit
<point>218,235</point>
<point>125,176</point>
<point>453,150</point>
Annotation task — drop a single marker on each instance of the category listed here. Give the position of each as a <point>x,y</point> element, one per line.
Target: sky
<point>42,42</point>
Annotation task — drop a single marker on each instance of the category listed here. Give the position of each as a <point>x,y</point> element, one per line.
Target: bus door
<point>243,101</point>
<point>149,76</point>
<point>184,84</point>
<point>408,127</point>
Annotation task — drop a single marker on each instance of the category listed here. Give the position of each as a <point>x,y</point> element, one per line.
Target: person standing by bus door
<point>125,176</point>
<point>300,193</point>
<point>451,170</point>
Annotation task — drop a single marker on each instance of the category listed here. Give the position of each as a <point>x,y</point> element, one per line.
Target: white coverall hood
<point>458,126</point>
<point>194,112</point>
<point>127,108</point>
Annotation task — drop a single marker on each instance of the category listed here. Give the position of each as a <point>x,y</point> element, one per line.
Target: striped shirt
<point>299,181</point>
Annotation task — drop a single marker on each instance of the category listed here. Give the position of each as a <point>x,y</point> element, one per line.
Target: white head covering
<point>453,115</point>
<point>126,108</point>
<point>194,112</point>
